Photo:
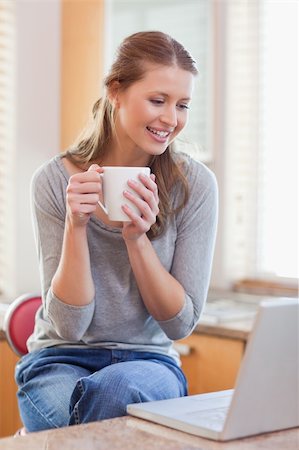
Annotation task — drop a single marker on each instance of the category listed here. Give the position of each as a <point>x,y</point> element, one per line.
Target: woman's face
<point>153,111</point>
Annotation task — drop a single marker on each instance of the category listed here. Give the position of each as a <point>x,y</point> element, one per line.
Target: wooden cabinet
<point>9,413</point>
<point>212,363</point>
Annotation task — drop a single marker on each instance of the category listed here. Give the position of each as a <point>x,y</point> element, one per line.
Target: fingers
<point>146,202</point>
<point>91,175</point>
<point>147,211</point>
<point>137,226</point>
<point>78,189</point>
<point>147,190</point>
<point>85,187</point>
<point>85,199</point>
<point>83,193</point>
<point>150,183</point>
<point>96,168</point>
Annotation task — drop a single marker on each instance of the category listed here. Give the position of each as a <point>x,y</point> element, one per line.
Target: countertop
<point>129,433</point>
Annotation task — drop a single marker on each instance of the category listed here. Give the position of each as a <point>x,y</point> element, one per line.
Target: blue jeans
<point>68,386</point>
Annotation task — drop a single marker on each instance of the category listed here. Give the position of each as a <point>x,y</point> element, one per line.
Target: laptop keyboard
<point>209,418</point>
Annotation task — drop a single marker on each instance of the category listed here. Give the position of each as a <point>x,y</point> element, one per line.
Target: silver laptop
<point>266,395</point>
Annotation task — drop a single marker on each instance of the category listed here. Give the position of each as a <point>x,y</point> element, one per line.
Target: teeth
<point>159,133</point>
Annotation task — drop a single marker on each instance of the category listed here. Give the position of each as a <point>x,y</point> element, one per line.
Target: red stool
<point>18,326</point>
<point>19,321</point>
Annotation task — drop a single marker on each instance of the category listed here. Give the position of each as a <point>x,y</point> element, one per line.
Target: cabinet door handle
<point>182,349</point>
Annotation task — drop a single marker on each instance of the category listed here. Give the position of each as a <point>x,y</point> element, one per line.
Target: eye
<point>157,101</point>
<point>183,106</point>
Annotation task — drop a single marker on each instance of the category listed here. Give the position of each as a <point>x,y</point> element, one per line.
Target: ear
<point>113,93</point>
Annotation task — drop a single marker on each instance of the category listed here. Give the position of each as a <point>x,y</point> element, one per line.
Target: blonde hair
<point>129,66</point>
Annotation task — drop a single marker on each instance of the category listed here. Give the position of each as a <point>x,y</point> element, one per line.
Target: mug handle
<point>101,204</point>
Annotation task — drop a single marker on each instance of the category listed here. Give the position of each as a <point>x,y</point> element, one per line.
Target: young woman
<point>116,295</point>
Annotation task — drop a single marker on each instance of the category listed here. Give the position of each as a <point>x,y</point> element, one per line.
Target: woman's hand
<point>82,195</point>
<point>147,204</point>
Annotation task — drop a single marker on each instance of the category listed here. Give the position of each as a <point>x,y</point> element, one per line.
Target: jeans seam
<point>76,406</point>
<point>76,414</point>
<point>37,409</point>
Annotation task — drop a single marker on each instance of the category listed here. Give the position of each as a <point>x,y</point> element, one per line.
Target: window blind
<point>7,118</point>
<point>261,223</point>
<point>190,23</point>
<point>277,237</point>
<point>240,122</point>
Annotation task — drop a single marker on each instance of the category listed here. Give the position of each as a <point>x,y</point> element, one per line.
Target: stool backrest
<point>19,321</point>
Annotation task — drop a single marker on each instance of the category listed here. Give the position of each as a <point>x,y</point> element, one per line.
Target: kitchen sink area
<point>224,307</point>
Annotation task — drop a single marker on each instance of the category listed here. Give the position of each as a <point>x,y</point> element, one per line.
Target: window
<point>260,146</point>
<point>277,236</point>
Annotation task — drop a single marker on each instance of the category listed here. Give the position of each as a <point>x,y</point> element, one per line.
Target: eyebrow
<point>167,95</point>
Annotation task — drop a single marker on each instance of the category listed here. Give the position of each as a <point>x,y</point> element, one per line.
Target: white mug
<point>114,183</point>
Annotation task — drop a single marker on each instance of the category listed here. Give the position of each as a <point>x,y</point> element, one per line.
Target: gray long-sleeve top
<point>117,317</point>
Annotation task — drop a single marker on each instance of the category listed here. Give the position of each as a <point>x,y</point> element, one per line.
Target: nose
<point>169,117</point>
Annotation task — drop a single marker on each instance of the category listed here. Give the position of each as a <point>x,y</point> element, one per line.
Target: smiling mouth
<point>162,134</point>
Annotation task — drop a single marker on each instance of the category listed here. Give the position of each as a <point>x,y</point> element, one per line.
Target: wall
<point>82,30</point>
<point>37,123</point>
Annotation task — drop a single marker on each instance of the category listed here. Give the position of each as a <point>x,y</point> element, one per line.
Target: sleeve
<point>48,215</point>
<point>194,249</point>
